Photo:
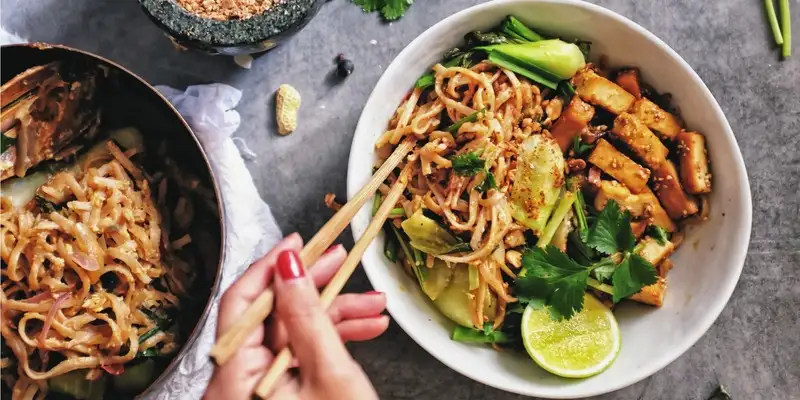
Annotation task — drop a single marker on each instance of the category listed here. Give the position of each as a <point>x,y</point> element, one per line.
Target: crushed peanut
<point>287,103</point>
<point>224,10</point>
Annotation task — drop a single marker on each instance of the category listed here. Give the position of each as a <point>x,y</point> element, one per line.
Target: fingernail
<point>289,266</point>
<point>332,248</point>
<point>373,292</point>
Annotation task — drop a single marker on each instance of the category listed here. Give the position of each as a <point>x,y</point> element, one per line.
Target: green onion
<point>376,203</point>
<point>397,212</point>
<point>773,22</point>
<point>149,334</point>
<point>469,118</point>
<point>583,225</point>
<point>786,28</point>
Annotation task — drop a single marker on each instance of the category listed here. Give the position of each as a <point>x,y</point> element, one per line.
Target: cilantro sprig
<point>390,9</point>
<point>550,277</point>
<point>468,164</point>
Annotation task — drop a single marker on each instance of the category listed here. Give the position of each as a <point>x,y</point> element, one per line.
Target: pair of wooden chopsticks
<point>228,344</point>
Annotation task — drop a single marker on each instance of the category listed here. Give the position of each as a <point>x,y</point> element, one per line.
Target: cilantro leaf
<point>369,5</point>
<point>658,233</point>
<point>612,231</point>
<point>551,276</point>
<point>394,9</point>
<point>604,269</point>
<point>632,274</point>
<point>468,164</point>
<point>488,183</point>
<point>488,328</point>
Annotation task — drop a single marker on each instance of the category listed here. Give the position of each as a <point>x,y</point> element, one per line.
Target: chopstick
<point>284,357</point>
<point>229,342</point>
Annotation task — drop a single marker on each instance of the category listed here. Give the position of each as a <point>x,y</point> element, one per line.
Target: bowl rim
<point>184,350</point>
<point>713,311</point>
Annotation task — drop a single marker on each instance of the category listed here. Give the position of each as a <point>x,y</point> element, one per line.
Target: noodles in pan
<point>93,272</point>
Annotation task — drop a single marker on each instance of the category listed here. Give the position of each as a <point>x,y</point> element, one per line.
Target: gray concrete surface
<point>753,348</point>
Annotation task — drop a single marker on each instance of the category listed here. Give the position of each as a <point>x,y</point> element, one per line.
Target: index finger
<point>251,284</point>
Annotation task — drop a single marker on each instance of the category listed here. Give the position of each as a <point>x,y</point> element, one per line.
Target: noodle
<point>55,266</point>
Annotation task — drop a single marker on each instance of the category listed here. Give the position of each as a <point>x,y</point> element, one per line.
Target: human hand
<point>316,336</point>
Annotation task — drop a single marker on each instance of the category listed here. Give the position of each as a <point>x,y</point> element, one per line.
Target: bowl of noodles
<point>577,211</point>
<point>110,229</point>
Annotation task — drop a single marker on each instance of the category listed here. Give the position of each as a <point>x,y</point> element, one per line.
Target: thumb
<point>312,336</point>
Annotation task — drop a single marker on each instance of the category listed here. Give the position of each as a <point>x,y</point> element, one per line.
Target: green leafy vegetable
<point>612,231</point>
<point>487,183</point>
<point>149,334</point>
<point>425,81</point>
<point>658,233</point>
<point>150,352</point>
<point>419,270</point>
<point>533,73</point>
<point>390,249</point>
<point>468,164</point>
<point>550,276</point>
<point>428,236</point>
<point>566,91</point>
<point>539,181</point>
<point>389,9</point>
<point>469,335</point>
<point>75,384</point>
<point>631,275</point>
<point>469,118</point>
<point>478,38</point>
<point>437,279</point>
<point>6,142</point>
<point>136,377</point>
<point>558,216</point>
<point>513,27</point>
<point>557,58</point>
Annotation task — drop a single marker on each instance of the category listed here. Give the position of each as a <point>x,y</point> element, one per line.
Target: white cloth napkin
<point>251,228</point>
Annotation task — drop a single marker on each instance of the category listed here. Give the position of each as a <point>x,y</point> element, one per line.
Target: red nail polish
<point>373,292</point>
<point>289,266</point>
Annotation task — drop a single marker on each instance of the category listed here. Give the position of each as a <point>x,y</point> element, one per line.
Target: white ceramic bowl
<point>707,266</point>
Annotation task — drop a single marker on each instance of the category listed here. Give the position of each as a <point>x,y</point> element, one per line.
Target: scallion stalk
<point>773,22</point>
<point>786,29</point>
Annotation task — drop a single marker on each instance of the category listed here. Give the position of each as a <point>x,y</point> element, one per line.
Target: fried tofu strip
<point>656,118</point>
<point>640,139</point>
<point>630,80</point>
<point>638,228</point>
<point>572,121</point>
<point>644,204</point>
<point>657,254</point>
<point>693,163</point>
<point>668,188</point>
<point>618,165</point>
<point>653,294</point>
<point>602,92</point>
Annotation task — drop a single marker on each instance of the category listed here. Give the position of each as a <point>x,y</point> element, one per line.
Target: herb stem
<point>773,22</point>
<point>555,220</point>
<point>605,288</point>
<point>583,225</point>
<point>786,28</point>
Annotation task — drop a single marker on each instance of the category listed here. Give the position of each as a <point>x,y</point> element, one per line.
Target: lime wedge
<point>580,347</point>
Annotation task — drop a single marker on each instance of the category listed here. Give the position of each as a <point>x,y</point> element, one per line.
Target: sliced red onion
<point>51,315</point>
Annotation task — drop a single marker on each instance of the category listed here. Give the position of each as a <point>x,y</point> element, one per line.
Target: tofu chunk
<point>668,188</point>
<point>656,118</point>
<point>693,163</point>
<point>644,204</point>
<point>640,139</point>
<point>630,80</point>
<point>652,251</point>
<point>572,121</point>
<point>653,294</point>
<point>618,165</point>
<point>602,92</point>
